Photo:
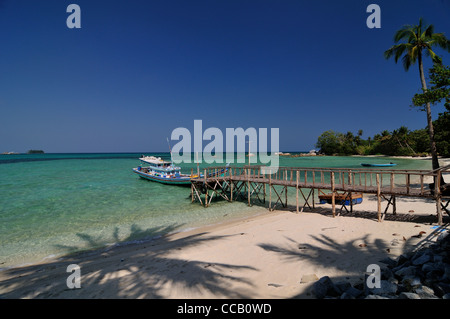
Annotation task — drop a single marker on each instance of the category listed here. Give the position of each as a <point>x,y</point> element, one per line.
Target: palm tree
<point>419,41</point>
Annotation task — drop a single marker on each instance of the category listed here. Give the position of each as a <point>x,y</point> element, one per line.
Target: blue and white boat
<point>378,165</point>
<point>158,170</point>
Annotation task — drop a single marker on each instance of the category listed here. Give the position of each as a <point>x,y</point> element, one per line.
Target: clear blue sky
<point>136,70</point>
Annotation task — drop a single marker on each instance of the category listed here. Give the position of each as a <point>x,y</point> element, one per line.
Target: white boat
<point>158,170</point>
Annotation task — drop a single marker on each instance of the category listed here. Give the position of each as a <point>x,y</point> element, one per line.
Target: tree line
<point>399,142</point>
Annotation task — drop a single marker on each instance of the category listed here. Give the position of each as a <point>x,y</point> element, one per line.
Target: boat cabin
<point>159,167</point>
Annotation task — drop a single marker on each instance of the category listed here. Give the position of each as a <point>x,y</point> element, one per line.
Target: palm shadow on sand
<point>147,273</point>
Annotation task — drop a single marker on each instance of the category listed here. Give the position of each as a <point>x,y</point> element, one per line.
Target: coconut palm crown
<point>419,39</point>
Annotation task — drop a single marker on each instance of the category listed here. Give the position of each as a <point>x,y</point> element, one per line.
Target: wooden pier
<point>262,183</point>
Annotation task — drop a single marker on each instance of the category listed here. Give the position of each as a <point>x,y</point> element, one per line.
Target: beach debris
<point>411,211</point>
<point>309,278</point>
<point>362,245</point>
<point>419,235</point>
<point>302,247</point>
<point>395,234</point>
<point>274,285</point>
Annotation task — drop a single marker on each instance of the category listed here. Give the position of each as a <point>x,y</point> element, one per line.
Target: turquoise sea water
<point>54,204</point>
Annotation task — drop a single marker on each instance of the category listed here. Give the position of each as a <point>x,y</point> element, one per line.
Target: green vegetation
<point>438,92</point>
<point>400,142</point>
<point>419,41</point>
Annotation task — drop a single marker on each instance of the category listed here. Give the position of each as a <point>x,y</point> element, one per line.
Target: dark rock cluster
<point>421,274</point>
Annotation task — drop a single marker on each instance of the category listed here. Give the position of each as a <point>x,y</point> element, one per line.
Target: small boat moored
<point>378,165</point>
<point>341,198</point>
<point>159,170</point>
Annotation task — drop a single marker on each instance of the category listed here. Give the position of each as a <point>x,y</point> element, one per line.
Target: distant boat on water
<point>378,165</point>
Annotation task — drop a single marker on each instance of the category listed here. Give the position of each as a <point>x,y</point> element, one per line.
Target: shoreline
<point>271,255</point>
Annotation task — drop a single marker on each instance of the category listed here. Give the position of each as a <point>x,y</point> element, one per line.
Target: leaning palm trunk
<point>434,156</point>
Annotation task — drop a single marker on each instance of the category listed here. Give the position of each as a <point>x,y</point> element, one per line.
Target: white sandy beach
<point>275,255</point>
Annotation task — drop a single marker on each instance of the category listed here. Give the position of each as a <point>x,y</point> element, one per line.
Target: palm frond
<point>406,33</point>
<point>428,33</point>
<point>421,25</point>
<point>429,52</point>
<point>406,60</point>
<point>414,53</point>
<point>397,51</point>
<point>440,40</point>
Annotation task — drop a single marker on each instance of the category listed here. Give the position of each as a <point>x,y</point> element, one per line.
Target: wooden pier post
<point>231,184</point>
<point>248,186</point>
<point>192,186</point>
<point>350,193</point>
<point>378,197</point>
<point>394,206</point>
<point>333,196</point>
<point>314,205</point>
<point>437,194</point>
<point>285,192</point>
<point>296,197</point>
<point>270,191</point>
<point>206,189</point>
<point>408,181</point>
<point>264,185</point>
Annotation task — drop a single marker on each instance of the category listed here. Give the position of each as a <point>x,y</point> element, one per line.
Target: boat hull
<point>341,199</point>
<point>183,180</point>
<point>378,165</point>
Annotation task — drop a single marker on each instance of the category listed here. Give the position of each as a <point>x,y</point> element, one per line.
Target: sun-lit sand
<point>275,255</point>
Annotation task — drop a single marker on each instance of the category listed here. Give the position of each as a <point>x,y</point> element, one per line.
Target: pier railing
<point>399,182</point>
<point>382,182</point>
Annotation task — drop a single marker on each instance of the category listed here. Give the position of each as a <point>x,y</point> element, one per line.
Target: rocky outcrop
<point>423,274</point>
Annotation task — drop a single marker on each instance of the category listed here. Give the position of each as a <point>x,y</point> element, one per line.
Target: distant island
<point>35,152</point>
